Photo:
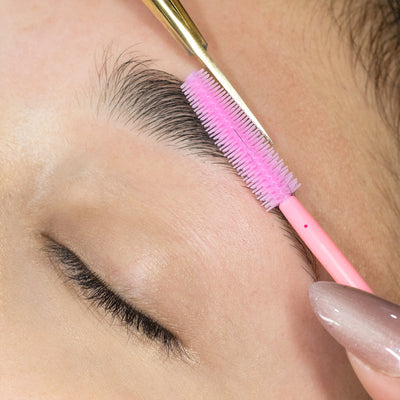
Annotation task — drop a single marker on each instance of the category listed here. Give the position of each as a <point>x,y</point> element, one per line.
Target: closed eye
<point>100,295</point>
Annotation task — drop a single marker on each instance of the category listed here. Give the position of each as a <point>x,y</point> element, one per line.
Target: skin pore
<point>176,235</point>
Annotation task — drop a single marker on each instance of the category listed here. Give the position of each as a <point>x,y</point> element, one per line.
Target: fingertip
<point>378,385</point>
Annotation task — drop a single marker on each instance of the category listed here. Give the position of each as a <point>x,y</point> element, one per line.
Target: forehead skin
<point>190,246</point>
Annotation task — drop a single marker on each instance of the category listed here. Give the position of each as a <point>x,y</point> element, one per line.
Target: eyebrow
<point>151,102</point>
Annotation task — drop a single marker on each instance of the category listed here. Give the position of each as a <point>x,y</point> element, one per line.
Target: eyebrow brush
<point>263,171</point>
<point>177,21</point>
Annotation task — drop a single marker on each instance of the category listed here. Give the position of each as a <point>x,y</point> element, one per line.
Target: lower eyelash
<point>97,292</point>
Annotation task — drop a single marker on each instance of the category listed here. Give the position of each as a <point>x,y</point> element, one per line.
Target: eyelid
<point>99,294</point>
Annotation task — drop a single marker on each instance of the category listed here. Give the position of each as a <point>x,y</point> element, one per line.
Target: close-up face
<point>134,262</point>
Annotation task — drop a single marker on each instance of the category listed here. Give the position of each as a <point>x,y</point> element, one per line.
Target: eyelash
<point>100,295</point>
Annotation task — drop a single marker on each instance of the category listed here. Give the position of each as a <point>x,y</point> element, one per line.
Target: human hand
<point>369,328</point>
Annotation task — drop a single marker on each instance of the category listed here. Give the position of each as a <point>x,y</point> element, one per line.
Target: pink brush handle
<point>321,245</point>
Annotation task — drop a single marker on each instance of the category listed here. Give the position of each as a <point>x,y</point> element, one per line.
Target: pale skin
<point>179,236</point>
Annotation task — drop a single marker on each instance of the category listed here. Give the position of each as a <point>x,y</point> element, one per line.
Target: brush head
<point>239,140</point>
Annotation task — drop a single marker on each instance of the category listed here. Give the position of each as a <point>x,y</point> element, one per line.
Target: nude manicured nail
<point>366,325</point>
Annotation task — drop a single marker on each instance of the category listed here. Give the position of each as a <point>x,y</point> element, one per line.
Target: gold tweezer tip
<point>178,22</point>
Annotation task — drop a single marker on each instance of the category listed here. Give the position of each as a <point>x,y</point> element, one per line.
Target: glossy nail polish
<point>366,325</point>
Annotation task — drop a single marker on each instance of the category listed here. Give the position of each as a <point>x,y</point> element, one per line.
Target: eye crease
<point>99,294</point>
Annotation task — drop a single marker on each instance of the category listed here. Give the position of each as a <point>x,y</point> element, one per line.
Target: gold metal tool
<point>177,21</point>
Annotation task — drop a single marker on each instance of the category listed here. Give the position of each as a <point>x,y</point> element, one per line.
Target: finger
<point>379,386</point>
<point>367,326</point>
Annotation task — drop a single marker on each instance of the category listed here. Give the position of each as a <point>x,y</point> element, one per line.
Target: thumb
<point>369,328</point>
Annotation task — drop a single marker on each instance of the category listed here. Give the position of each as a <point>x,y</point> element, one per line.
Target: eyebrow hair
<point>151,101</point>
<point>373,30</point>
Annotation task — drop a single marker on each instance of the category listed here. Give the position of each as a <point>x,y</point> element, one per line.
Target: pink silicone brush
<point>263,170</point>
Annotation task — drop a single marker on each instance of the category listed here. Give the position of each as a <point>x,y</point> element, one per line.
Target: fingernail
<point>366,325</point>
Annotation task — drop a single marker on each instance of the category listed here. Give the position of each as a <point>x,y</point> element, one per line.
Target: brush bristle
<point>239,140</point>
